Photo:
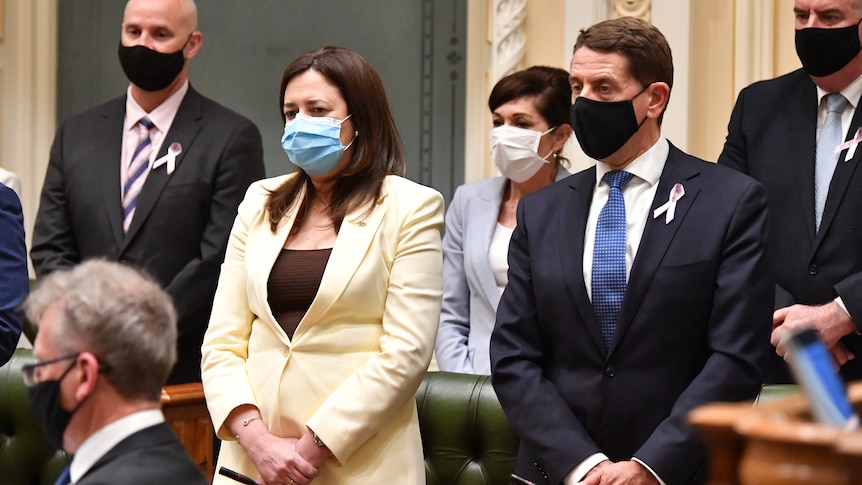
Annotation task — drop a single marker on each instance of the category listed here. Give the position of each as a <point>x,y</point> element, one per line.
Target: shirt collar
<point>648,166</point>
<point>164,114</point>
<point>852,92</point>
<point>103,440</point>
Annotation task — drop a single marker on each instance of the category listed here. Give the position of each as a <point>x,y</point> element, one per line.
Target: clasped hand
<point>278,461</point>
<point>620,473</point>
<point>830,321</point>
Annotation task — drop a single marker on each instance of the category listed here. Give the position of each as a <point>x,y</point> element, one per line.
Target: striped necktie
<point>137,171</point>
<point>609,257</point>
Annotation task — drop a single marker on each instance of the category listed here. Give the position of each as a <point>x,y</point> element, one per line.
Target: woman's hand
<point>275,458</point>
<point>278,461</point>
<point>308,449</point>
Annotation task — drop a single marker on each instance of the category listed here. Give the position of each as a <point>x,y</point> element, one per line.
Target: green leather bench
<point>465,435</point>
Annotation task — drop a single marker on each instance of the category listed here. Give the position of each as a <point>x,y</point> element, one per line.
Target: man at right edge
<point>781,133</point>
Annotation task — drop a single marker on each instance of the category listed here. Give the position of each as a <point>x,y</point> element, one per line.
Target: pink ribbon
<point>669,207</point>
<point>849,143</point>
<point>170,159</point>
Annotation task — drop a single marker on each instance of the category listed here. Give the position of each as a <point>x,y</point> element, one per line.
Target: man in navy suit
<point>775,132</point>
<point>106,343</point>
<point>152,178</point>
<point>629,303</point>
<point>14,282</point>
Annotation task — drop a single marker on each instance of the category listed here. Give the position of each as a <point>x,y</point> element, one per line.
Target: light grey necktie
<point>830,137</point>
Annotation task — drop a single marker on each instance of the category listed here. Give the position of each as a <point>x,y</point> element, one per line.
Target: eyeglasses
<point>32,372</point>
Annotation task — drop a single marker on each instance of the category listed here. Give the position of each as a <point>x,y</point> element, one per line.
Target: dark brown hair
<point>550,87</point>
<point>377,151</point>
<point>641,43</point>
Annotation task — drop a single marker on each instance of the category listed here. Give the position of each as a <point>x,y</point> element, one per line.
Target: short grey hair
<point>117,313</point>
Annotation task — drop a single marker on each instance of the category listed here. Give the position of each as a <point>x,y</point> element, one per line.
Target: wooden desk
<point>778,443</point>
<point>186,411</point>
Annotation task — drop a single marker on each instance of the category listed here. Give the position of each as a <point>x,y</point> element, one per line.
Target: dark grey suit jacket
<point>152,456</point>
<point>694,319</point>
<point>182,220</point>
<point>772,136</point>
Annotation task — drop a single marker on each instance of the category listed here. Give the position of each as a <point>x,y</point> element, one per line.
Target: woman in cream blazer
<point>333,402</point>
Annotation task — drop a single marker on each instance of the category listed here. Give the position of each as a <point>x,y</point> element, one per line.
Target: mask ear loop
<point>355,136</point>
<point>545,158</point>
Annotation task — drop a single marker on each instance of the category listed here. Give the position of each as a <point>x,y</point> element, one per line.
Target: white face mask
<point>515,151</point>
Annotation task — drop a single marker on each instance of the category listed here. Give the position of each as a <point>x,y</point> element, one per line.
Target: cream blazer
<point>357,357</point>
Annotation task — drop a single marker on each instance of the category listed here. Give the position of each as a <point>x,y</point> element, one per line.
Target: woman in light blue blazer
<point>530,111</point>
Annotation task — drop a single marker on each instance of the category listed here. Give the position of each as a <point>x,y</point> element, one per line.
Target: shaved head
<point>184,13</point>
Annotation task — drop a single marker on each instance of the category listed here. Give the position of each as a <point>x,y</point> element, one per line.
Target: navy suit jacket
<point>772,137</point>
<point>151,456</point>
<point>182,220</point>
<point>14,280</point>
<point>694,318</point>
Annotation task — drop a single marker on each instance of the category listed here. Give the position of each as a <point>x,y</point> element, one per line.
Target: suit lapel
<point>801,135</point>
<point>840,179</point>
<point>109,165</point>
<point>354,238</point>
<point>657,236</point>
<point>572,224</point>
<point>262,249</point>
<point>484,215</point>
<point>184,130</point>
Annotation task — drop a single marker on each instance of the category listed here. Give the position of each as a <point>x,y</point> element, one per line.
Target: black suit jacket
<point>14,281</point>
<point>694,318</point>
<point>772,136</point>
<point>182,220</point>
<point>152,456</point>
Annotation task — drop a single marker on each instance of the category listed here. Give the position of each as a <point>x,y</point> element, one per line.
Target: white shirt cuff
<point>840,303</point>
<point>660,481</point>
<point>584,467</point>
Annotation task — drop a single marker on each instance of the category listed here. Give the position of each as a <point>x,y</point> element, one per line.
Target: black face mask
<point>148,69</point>
<point>49,413</point>
<point>602,128</point>
<point>826,51</point>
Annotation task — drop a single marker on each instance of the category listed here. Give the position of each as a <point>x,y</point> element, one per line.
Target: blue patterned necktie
<point>826,159</point>
<point>609,257</point>
<point>65,478</point>
<point>136,174</point>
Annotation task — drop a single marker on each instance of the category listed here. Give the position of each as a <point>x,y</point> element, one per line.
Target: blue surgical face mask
<point>314,143</point>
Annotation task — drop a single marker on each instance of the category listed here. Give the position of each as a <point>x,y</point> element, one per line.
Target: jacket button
<point>610,371</point>
<point>812,269</point>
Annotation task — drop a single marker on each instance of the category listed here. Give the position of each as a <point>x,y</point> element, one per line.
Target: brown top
<point>293,284</point>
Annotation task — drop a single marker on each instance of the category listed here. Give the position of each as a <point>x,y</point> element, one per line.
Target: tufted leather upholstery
<point>26,458</point>
<point>465,435</point>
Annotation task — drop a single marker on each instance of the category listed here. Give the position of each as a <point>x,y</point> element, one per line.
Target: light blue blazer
<point>470,294</point>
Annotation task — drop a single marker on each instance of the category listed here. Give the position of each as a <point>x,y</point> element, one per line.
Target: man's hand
<point>830,321</point>
<point>620,473</point>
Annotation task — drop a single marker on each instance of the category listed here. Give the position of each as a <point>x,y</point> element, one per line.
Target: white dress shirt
<point>498,255</point>
<point>638,194</point>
